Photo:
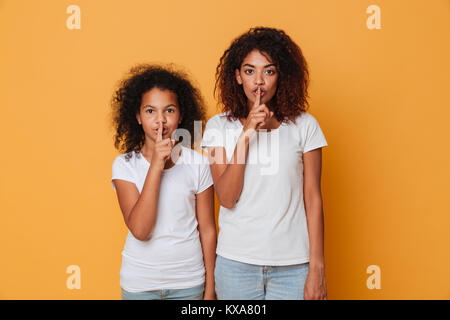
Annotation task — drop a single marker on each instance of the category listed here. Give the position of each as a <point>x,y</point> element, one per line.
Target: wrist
<point>246,134</point>
<point>209,292</point>
<point>316,266</point>
<point>157,166</point>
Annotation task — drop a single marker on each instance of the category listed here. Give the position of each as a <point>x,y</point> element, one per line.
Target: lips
<point>262,92</point>
<point>165,130</point>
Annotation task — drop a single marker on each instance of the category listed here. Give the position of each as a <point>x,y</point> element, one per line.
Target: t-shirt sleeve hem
<point>120,178</point>
<point>310,148</point>
<point>204,188</point>
<point>214,125</point>
<point>211,145</point>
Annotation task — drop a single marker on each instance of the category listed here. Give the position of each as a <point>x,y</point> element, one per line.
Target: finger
<point>165,152</point>
<point>169,142</point>
<point>165,142</point>
<point>160,130</point>
<point>262,108</point>
<point>258,98</point>
<point>260,121</point>
<point>259,114</point>
<point>268,113</point>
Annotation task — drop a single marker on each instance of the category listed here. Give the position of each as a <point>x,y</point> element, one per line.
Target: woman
<point>265,158</point>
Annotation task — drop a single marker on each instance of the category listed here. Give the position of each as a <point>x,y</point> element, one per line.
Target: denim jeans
<point>195,293</point>
<point>242,281</point>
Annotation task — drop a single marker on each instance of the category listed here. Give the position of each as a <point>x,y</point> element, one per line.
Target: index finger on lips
<point>258,98</point>
<point>159,136</point>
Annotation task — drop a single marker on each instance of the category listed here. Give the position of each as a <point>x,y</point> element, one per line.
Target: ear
<point>238,76</point>
<point>138,118</point>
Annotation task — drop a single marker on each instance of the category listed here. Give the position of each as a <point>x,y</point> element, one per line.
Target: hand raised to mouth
<point>258,115</point>
<point>162,149</point>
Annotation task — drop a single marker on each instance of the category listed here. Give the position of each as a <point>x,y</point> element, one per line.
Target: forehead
<point>257,57</point>
<point>159,97</point>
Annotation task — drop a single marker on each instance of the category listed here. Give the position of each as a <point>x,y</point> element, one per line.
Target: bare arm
<point>208,237</point>
<point>229,177</point>
<point>139,210</point>
<point>315,287</point>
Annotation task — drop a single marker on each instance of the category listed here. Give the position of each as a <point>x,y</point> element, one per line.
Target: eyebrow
<point>150,106</point>
<point>252,66</point>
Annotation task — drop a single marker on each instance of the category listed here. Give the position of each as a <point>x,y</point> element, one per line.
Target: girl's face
<point>159,107</point>
<point>256,70</point>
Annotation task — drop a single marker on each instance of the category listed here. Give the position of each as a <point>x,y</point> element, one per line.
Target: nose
<point>259,80</point>
<point>161,118</point>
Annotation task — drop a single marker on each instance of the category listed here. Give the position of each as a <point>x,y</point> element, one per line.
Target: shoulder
<point>193,157</point>
<point>119,160</point>
<point>126,160</point>
<point>305,123</point>
<point>219,120</point>
<point>305,118</point>
<point>219,117</point>
<point>198,167</point>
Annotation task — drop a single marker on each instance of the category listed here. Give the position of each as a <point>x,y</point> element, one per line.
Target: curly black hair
<point>290,99</point>
<point>126,102</point>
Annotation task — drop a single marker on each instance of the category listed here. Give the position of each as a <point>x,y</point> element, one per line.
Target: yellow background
<point>380,96</point>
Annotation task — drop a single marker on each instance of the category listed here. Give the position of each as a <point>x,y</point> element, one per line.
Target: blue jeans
<point>242,281</point>
<point>195,293</point>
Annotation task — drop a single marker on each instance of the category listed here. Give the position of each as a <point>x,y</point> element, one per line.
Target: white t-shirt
<point>267,226</point>
<point>172,258</point>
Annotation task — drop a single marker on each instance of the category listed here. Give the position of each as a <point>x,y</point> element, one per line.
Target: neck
<point>147,148</point>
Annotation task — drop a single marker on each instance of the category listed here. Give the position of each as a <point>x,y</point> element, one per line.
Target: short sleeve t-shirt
<point>267,225</point>
<point>172,258</point>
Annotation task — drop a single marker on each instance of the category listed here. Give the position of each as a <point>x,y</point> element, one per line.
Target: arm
<point>229,177</point>
<point>315,286</point>
<point>208,237</point>
<point>139,211</point>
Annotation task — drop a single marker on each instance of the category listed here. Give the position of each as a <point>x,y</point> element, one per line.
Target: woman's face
<point>159,107</point>
<point>256,70</point>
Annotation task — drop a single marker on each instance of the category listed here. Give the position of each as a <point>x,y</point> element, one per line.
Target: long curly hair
<point>126,102</point>
<point>290,99</point>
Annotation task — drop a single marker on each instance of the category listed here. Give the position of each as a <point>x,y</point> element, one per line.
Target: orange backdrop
<point>381,97</point>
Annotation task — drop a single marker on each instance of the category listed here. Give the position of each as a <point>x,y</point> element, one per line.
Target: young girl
<point>164,189</point>
<point>265,153</point>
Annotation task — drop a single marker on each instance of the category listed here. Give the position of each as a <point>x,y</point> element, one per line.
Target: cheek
<point>174,119</point>
<point>147,125</point>
<point>148,129</point>
<point>273,82</point>
<point>247,85</point>
<point>273,87</point>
